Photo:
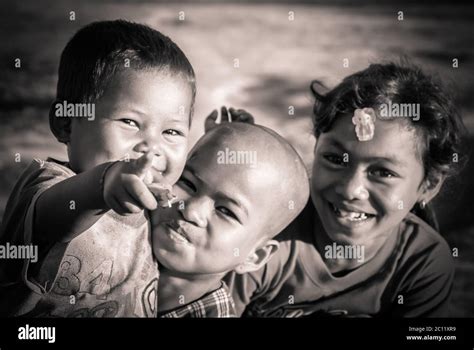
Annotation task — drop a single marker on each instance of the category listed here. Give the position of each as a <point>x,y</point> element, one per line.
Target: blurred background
<point>258,55</point>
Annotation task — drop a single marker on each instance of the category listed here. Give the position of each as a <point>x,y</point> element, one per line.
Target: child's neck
<point>176,290</point>
<point>341,266</point>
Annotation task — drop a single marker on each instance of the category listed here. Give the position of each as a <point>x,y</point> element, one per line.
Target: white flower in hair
<point>364,121</point>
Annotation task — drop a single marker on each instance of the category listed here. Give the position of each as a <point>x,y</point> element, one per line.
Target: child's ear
<point>259,257</point>
<point>61,127</point>
<point>431,187</point>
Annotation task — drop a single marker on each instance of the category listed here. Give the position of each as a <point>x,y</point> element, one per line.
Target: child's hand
<point>125,186</point>
<point>164,194</point>
<point>239,115</point>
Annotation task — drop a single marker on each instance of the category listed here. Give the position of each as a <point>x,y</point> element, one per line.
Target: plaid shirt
<point>218,303</point>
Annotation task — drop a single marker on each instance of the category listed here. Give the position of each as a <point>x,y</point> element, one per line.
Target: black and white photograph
<point>251,160</point>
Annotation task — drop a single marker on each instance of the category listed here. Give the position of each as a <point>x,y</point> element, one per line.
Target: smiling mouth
<point>351,216</point>
<point>177,234</point>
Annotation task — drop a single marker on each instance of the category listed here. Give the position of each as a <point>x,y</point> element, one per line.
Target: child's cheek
<point>321,178</point>
<point>396,202</point>
<point>176,162</point>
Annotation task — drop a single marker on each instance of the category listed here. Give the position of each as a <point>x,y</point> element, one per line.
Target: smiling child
<point>358,249</point>
<point>86,215</point>
<point>227,215</point>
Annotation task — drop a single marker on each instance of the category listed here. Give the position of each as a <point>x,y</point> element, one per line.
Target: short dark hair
<point>440,127</point>
<point>100,50</point>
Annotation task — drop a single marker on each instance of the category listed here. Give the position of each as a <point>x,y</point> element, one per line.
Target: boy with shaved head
<point>241,186</point>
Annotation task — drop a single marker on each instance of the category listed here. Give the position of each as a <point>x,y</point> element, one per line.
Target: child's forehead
<point>151,73</point>
<point>392,139</point>
<point>147,93</point>
<point>222,168</point>
<point>255,163</point>
<point>229,167</point>
<point>143,78</point>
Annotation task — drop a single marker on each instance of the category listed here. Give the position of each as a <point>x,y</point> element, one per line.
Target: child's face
<point>139,111</point>
<point>381,178</point>
<point>219,221</point>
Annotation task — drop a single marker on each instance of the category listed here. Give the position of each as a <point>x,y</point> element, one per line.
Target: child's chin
<point>171,261</point>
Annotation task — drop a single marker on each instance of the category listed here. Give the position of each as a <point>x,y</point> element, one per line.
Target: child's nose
<point>151,145</point>
<point>194,211</point>
<point>353,187</point>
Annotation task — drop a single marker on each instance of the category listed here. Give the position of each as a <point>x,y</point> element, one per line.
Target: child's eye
<point>227,212</point>
<point>130,122</point>
<point>383,173</point>
<point>335,159</point>
<point>173,132</point>
<point>187,184</point>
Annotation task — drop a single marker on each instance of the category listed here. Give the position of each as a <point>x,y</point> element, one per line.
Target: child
<point>93,261</point>
<point>242,184</point>
<point>357,248</point>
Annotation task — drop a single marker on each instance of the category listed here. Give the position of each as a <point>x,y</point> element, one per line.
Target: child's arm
<point>72,206</point>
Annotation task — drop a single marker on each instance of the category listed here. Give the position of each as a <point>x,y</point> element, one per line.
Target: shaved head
<point>256,152</point>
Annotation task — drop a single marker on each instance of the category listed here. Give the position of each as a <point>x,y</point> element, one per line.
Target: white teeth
<point>357,216</point>
<point>350,215</point>
<point>354,216</point>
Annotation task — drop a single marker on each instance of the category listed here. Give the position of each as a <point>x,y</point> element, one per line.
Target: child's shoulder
<point>421,240</point>
<point>37,177</point>
<point>50,165</point>
<point>40,170</point>
<point>425,235</point>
